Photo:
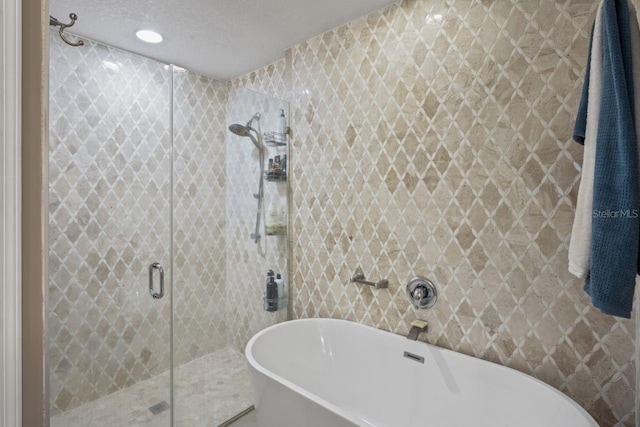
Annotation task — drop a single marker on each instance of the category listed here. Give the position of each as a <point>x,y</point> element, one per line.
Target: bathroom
<point>413,138</point>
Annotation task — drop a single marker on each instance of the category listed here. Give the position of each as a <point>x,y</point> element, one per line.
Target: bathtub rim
<point>325,404</point>
<point>286,383</point>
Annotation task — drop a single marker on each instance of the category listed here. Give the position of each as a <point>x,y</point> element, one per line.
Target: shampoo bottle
<point>272,292</point>
<point>282,301</point>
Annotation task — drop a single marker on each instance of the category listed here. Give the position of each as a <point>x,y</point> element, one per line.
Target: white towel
<point>580,246</point>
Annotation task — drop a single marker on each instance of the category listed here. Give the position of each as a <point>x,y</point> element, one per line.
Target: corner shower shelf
<point>283,302</point>
<point>275,177</point>
<point>275,139</point>
<point>276,230</point>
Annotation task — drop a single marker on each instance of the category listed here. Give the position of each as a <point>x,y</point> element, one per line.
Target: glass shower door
<point>220,269</point>
<point>147,189</point>
<point>109,237</point>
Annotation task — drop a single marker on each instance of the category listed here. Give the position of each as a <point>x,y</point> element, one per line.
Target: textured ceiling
<point>218,38</point>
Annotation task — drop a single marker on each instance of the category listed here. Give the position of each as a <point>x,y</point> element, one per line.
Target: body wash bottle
<point>272,292</point>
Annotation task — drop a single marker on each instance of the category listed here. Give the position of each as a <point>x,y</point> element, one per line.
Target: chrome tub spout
<point>359,278</point>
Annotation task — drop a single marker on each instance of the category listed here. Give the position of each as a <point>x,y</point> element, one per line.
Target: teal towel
<point>615,240</point>
<point>580,128</point>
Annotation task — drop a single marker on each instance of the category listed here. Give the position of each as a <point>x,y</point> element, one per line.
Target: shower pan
<point>151,205</point>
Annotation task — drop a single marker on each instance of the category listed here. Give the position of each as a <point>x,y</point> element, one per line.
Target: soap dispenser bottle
<point>272,292</point>
<point>282,123</point>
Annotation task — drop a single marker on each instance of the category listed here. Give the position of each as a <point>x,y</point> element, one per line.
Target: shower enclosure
<point>155,282</point>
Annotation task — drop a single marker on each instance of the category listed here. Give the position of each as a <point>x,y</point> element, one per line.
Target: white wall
<point>10,343</point>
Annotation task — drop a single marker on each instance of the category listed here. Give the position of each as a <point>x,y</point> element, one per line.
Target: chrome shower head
<point>240,130</point>
<point>245,131</point>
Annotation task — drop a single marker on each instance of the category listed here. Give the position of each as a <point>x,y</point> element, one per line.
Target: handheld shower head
<point>240,130</point>
<point>245,131</point>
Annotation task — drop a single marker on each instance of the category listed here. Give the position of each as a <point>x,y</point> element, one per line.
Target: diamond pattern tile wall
<point>273,80</point>
<point>434,138</point>
<point>200,245</point>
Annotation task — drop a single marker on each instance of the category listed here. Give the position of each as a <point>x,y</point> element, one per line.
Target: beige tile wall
<point>434,138</point>
<point>200,241</point>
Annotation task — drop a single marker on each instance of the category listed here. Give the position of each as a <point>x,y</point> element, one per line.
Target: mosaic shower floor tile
<point>209,391</point>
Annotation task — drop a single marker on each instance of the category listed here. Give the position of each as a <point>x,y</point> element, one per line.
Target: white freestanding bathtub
<point>334,373</point>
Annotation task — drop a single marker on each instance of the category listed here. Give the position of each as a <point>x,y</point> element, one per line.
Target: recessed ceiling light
<point>149,36</point>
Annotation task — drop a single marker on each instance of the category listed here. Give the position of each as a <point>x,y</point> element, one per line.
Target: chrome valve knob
<point>421,292</point>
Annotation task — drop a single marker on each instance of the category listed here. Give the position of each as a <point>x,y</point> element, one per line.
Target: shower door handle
<point>156,266</point>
